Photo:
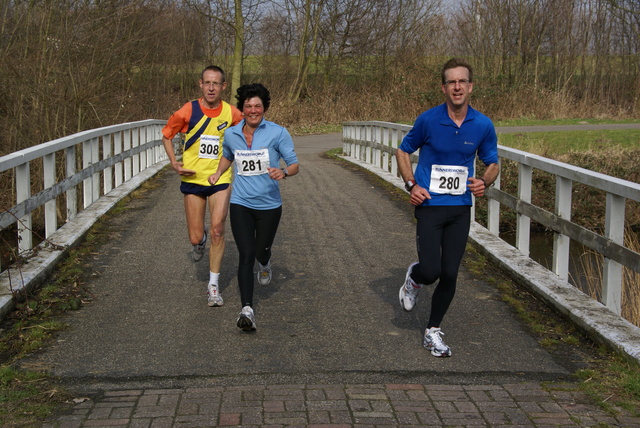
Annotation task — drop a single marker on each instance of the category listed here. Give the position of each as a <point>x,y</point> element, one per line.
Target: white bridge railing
<point>375,143</point>
<point>69,175</point>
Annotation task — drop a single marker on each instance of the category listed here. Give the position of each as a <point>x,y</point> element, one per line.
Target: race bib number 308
<point>448,179</point>
<point>252,162</point>
<point>209,147</point>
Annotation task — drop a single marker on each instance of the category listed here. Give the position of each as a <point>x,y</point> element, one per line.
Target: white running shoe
<point>409,291</point>
<point>264,273</point>
<point>199,249</point>
<point>433,342</point>
<point>214,299</point>
<point>247,320</point>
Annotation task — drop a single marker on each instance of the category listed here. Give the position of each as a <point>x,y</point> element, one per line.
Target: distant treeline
<point>71,65</point>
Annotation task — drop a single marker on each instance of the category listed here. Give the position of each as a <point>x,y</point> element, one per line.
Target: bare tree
<point>378,36</point>
<point>627,11</point>
<point>229,18</point>
<point>306,16</point>
<point>627,14</point>
<point>77,65</point>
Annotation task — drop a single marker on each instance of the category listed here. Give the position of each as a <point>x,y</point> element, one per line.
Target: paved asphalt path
<point>331,311</point>
<point>330,316</point>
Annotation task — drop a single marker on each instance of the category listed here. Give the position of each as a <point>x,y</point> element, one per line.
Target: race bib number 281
<point>252,162</point>
<point>449,179</point>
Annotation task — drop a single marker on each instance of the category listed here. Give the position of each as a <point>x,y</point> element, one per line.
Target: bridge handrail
<point>109,157</point>
<point>375,143</point>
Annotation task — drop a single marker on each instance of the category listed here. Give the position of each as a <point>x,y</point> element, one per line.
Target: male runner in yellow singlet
<point>203,122</point>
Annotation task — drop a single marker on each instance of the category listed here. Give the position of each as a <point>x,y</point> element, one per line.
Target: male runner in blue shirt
<point>449,137</point>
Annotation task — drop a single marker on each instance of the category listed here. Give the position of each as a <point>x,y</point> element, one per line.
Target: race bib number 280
<point>252,162</point>
<point>448,179</point>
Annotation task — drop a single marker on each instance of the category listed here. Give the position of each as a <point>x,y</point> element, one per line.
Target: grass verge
<point>524,121</point>
<point>554,143</point>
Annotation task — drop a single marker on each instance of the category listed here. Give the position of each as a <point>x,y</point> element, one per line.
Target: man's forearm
<point>404,165</point>
<point>491,174</point>
<point>168,147</point>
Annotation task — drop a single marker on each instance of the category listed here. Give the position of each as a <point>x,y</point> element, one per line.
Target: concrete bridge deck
<point>333,347</point>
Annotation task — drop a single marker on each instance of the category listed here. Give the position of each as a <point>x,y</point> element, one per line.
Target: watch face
<point>408,185</point>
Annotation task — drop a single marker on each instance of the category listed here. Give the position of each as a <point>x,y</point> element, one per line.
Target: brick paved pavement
<point>512,405</point>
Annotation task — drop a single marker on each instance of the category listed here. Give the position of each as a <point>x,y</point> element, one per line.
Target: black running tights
<point>254,232</point>
<point>441,239</point>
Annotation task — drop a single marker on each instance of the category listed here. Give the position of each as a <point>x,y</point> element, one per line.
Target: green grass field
<point>560,142</point>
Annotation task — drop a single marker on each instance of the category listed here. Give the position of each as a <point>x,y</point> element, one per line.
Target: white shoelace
<point>437,339</point>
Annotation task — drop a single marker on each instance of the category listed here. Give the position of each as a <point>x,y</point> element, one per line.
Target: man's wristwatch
<point>286,173</point>
<point>409,185</point>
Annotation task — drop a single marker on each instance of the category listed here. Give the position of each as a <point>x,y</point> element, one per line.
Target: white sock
<point>213,278</point>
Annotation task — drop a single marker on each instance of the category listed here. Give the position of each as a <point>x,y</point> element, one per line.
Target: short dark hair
<point>454,63</point>
<point>251,90</point>
<point>214,68</point>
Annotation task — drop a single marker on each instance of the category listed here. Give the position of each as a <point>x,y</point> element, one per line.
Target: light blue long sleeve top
<point>259,192</point>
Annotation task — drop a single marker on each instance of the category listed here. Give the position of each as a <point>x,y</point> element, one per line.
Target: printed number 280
<point>449,183</point>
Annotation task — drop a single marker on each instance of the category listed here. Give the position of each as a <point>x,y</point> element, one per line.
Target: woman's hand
<point>213,179</point>
<point>276,173</point>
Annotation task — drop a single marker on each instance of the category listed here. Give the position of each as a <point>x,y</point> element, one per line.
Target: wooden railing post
<point>523,226</point>
<point>612,270</point>
<point>561,242</point>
